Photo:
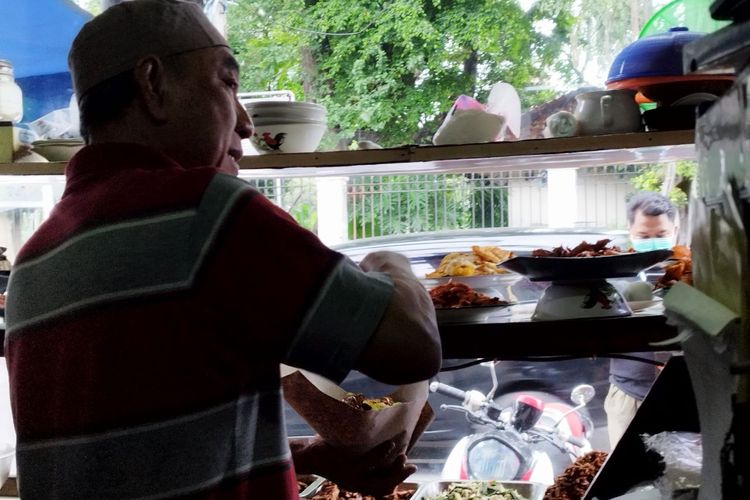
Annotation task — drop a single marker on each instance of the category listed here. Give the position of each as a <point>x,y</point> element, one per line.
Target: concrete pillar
<point>562,197</point>
<point>332,211</point>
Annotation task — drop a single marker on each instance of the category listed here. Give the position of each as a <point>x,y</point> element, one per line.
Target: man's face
<point>651,226</point>
<point>206,121</point>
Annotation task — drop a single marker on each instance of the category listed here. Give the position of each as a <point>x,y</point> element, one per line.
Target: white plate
<point>640,305</point>
<point>476,282</point>
<point>468,314</point>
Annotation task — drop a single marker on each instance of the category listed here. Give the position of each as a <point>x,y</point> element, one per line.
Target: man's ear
<point>150,78</point>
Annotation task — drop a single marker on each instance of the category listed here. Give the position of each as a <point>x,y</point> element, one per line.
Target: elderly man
<point>148,316</point>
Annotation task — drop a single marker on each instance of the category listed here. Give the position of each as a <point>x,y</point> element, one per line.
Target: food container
<point>316,489</point>
<point>313,484</point>
<point>11,97</point>
<point>265,111</point>
<point>57,149</point>
<point>286,126</point>
<point>527,489</point>
<point>655,55</point>
<point>407,487</point>
<point>653,66</point>
<point>353,431</point>
<point>294,137</point>
<point>470,314</point>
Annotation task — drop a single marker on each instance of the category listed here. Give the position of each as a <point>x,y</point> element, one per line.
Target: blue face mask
<point>648,244</point>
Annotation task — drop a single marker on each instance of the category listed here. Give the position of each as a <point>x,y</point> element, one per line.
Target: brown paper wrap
<point>319,402</point>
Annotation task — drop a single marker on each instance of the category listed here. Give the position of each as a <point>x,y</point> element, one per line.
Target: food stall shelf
<point>565,152</point>
<point>518,337</point>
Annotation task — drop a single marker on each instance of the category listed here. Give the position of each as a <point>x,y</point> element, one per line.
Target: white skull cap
<point>114,41</point>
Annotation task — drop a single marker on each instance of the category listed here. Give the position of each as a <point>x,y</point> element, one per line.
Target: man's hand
<point>376,473</point>
<point>386,261</point>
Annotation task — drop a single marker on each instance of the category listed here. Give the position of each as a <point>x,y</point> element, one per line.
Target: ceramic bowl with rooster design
<point>287,137</point>
<point>286,126</point>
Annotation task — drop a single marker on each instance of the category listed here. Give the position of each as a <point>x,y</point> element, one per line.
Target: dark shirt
<point>634,378</point>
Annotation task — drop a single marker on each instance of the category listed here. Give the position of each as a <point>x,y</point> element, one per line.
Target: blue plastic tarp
<point>35,36</point>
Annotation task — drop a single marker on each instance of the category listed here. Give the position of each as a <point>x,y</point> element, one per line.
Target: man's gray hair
<point>650,203</point>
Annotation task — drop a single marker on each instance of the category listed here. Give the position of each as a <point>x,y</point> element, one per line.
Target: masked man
<point>652,226</point>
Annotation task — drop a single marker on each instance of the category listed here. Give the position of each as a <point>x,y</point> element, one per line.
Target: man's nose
<point>244,126</point>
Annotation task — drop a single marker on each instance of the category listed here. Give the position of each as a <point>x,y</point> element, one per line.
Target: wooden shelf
<point>586,151</point>
<point>51,168</point>
<point>10,488</point>
<point>472,154</point>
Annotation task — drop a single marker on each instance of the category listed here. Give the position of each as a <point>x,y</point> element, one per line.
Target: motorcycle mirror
<point>582,394</point>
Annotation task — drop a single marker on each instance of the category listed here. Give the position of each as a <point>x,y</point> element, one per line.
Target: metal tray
<point>311,490</point>
<point>312,487</point>
<point>477,281</point>
<point>470,313</point>
<point>531,491</point>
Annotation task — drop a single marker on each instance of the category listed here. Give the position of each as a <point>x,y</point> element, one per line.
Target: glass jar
<point>11,98</point>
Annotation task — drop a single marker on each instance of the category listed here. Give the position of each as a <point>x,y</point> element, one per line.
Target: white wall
<point>599,201</point>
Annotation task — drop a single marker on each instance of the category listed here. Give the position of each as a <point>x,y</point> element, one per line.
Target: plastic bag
<point>59,124</point>
<point>470,121</point>
<point>682,453</point>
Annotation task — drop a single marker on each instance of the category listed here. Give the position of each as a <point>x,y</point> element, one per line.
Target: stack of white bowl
<point>286,126</point>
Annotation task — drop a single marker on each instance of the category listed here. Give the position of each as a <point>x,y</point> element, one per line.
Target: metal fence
<point>380,205</point>
<point>399,204</point>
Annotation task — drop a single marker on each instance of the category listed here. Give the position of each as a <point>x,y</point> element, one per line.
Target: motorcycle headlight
<point>491,458</point>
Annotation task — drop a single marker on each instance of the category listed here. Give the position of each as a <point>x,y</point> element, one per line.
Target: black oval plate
<point>585,268</point>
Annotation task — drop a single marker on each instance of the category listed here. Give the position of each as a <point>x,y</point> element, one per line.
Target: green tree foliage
<point>651,178</point>
<point>388,70</point>
<point>400,204</point>
<point>602,29</point>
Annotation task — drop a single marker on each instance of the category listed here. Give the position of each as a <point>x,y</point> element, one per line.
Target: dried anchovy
<point>576,478</point>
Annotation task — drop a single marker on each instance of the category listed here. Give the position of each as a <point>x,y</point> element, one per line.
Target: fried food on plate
<point>482,260</point>
<point>454,295</point>
<point>679,268</point>
<point>492,254</point>
<point>583,249</point>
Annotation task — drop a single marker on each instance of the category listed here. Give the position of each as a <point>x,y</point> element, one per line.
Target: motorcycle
<point>531,440</point>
